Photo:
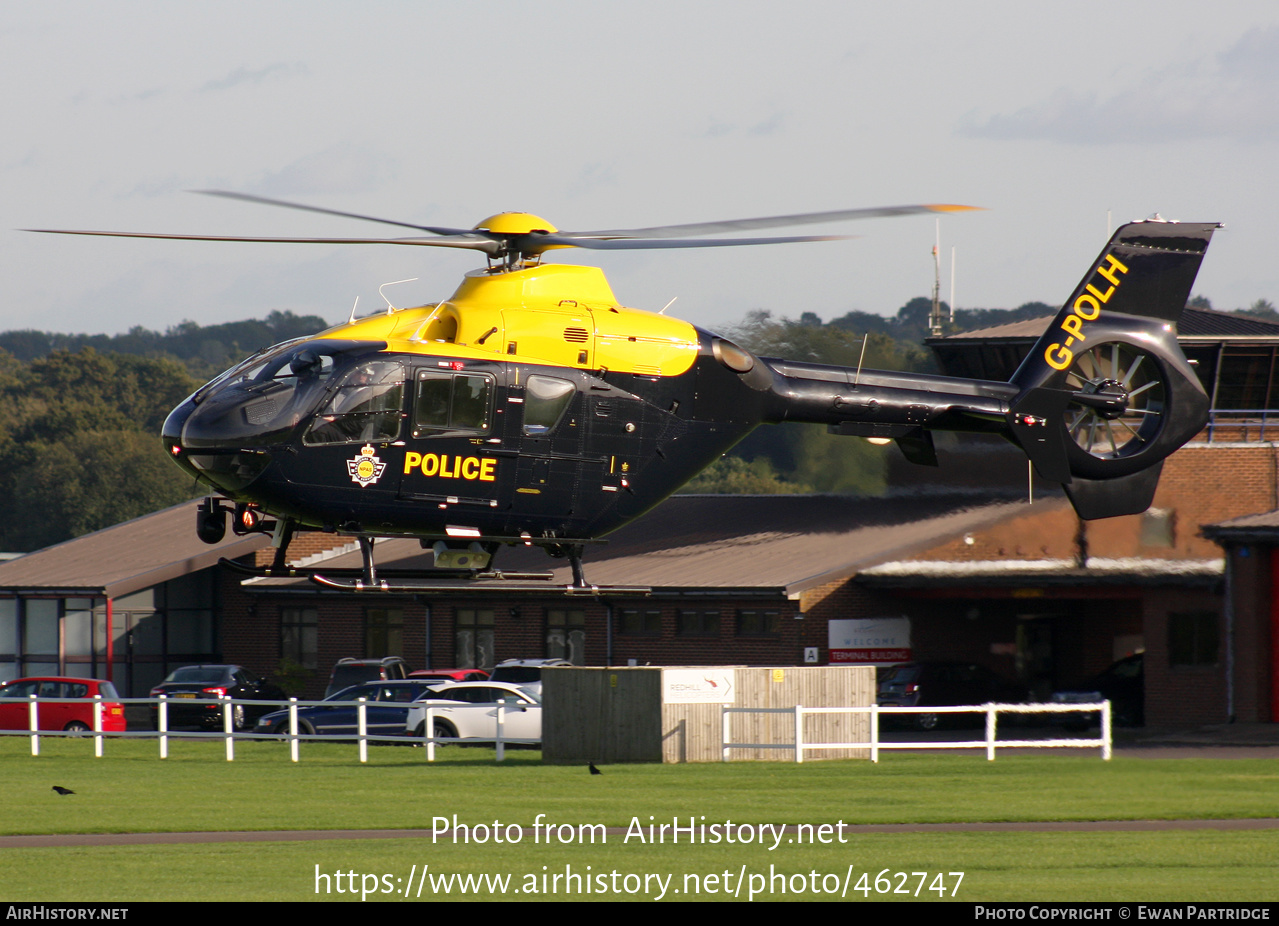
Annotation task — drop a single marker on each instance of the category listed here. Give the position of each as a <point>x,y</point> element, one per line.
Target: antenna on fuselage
<point>668,305</point>
<point>351,320</point>
<point>390,308</point>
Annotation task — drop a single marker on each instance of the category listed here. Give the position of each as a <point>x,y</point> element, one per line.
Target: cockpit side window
<point>365,407</point>
<point>545,401</point>
<point>452,402</point>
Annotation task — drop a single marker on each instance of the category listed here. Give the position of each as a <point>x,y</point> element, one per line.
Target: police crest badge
<point>365,469</point>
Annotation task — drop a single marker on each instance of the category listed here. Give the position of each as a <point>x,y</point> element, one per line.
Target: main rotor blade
<point>540,242</point>
<point>262,200</point>
<point>776,221</point>
<point>470,242</point>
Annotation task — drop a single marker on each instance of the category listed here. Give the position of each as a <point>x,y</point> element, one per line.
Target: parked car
<point>194,694</point>
<point>919,684</point>
<point>351,671</point>
<point>527,673</point>
<point>71,717</point>
<point>1122,684</point>
<point>451,675</point>
<point>386,710</point>
<point>468,710</point>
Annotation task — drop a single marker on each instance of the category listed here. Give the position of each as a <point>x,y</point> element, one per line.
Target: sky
<point>1057,119</point>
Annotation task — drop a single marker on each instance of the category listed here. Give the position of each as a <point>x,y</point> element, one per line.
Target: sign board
<point>869,640</point>
<point>708,685</point>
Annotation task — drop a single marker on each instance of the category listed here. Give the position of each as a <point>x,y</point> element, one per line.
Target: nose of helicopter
<point>219,464</point>
<point>171,437</point>
<point>225,433</point>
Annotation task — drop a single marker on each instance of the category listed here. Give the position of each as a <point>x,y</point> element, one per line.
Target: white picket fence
<point>798,745</point>
<point>989,742</point>
<point>230,735</point>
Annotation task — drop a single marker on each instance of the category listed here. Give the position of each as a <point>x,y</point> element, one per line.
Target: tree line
<point>80,419</point>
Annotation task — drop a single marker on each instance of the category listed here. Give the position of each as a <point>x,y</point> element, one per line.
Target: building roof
<point>124,558</point>
<point>781,544</point>
<point>1195,323</point>
<point>1018,572</point>
<point>1247,529</point>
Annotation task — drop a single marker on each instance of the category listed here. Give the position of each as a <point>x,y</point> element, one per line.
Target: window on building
<point>566,635</point>
<point>1159,528</point>
<point>1246,379</point>
<point>698,623</point>
<point>758,623</point>
<point>383,632</point>
<point>299,636</point>
<point>473,639</point>
<point>641,620</point>
<point>1192,639</point>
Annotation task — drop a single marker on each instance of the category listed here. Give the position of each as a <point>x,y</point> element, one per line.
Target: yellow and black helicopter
<point>531,407</point>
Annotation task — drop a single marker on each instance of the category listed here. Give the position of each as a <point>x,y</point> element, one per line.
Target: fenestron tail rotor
<point>518,237</point>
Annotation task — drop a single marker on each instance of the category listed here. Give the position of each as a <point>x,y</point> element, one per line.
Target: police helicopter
<point>531,407</point>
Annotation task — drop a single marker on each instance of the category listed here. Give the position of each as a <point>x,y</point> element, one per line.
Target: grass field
<point>196,790</point>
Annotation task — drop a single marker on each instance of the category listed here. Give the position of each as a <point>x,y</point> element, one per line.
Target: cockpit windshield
<point>263,399</point>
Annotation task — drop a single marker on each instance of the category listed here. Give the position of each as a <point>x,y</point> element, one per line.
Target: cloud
<point>591,177</point>
<point>342,168</point>
<point>1229,95</point>
<point>770,125</point>
<point>243,76</point>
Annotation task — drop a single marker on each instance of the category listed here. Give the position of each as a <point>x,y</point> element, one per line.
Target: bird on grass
<point>594,770</point>
<point>62,790</point>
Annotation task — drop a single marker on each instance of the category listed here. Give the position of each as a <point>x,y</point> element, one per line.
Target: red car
<point>54,715</point>
<point>451,675</point>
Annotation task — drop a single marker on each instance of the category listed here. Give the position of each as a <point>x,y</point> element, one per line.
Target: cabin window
<point>545,401</point>
<point>452,401</point>
<point>365,407</point>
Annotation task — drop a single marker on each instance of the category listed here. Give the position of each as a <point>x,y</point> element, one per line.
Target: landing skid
<point>511,583</point>
<point>416,581</point>
<point>293,572</point>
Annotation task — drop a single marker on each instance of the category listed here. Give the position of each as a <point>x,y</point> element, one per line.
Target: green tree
<point>79,444</point>
<point>85,482</point>
<point>732,475</point>
<point>1262,308</point>
<point>805,456</point>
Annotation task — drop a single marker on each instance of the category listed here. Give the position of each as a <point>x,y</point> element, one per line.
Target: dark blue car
<point>386,709</point>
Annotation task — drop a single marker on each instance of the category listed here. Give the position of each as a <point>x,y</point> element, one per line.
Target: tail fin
<point>1106,393</point>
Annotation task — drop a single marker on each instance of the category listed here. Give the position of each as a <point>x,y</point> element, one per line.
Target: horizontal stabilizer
<point>1110,498</point>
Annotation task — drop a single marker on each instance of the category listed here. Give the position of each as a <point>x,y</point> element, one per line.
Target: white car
<point>468,710</point>
<point>527,673</point>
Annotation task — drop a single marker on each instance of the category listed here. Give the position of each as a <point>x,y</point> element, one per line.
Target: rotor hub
<point>515,223</point>
<point>1113,396</point>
